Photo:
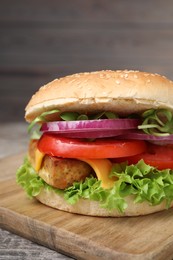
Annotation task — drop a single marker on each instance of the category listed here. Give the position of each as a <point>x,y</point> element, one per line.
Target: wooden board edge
<point>78,246</point>
<point>9,220</point>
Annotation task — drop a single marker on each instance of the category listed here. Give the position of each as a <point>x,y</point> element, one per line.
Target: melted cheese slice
<point>38,159</point>
<point>102,168</point>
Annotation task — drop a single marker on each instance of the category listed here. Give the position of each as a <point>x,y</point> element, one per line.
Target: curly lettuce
<point>158,122</point>
<point>144,182</point>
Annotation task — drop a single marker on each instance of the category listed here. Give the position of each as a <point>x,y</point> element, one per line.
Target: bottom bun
<point>92,208</point>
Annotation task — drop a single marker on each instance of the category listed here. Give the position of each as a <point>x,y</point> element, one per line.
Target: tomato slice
<point>160,157</point>
<point>74,148</point>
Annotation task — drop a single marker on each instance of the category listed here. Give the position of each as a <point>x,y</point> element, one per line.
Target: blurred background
<point>41,40</point>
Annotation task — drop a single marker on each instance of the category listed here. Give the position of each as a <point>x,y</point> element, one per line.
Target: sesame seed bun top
<point>121,91</point>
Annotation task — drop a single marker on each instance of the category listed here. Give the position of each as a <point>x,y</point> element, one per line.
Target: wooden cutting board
<point>82,237</point>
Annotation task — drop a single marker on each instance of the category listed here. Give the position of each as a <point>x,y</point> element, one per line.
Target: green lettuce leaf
<point>144,182</point>
<point>41,118</point>
<point>28,179</point>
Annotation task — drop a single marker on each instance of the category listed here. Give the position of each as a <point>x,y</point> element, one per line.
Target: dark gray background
<point>42,40</point>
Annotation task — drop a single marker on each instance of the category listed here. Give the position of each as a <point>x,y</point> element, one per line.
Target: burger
<point>101,144</point>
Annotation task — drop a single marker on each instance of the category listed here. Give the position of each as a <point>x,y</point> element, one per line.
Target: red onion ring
<point>93,134</point>
<point>89,125</point>
<point>136,135</point>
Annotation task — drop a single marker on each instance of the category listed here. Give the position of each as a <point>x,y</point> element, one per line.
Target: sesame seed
<point>77,75</point>
<point>118,82</point>
<point>101,76</point>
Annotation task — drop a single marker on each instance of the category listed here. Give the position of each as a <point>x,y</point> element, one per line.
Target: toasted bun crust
<point>92,208</point>
<point>124,92</point>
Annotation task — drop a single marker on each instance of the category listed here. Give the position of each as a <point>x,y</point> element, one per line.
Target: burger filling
<point>102,157</point>
<point>58,172</point>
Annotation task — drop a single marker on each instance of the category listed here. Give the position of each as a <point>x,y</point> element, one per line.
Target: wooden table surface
<point>13,140</point>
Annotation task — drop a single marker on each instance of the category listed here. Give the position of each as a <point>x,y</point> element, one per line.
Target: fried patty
<point>60,173</point>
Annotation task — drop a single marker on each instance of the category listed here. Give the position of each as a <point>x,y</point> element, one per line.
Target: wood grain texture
<point>41,40</point>
<point>13,140</point>
<point>82,237</point>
